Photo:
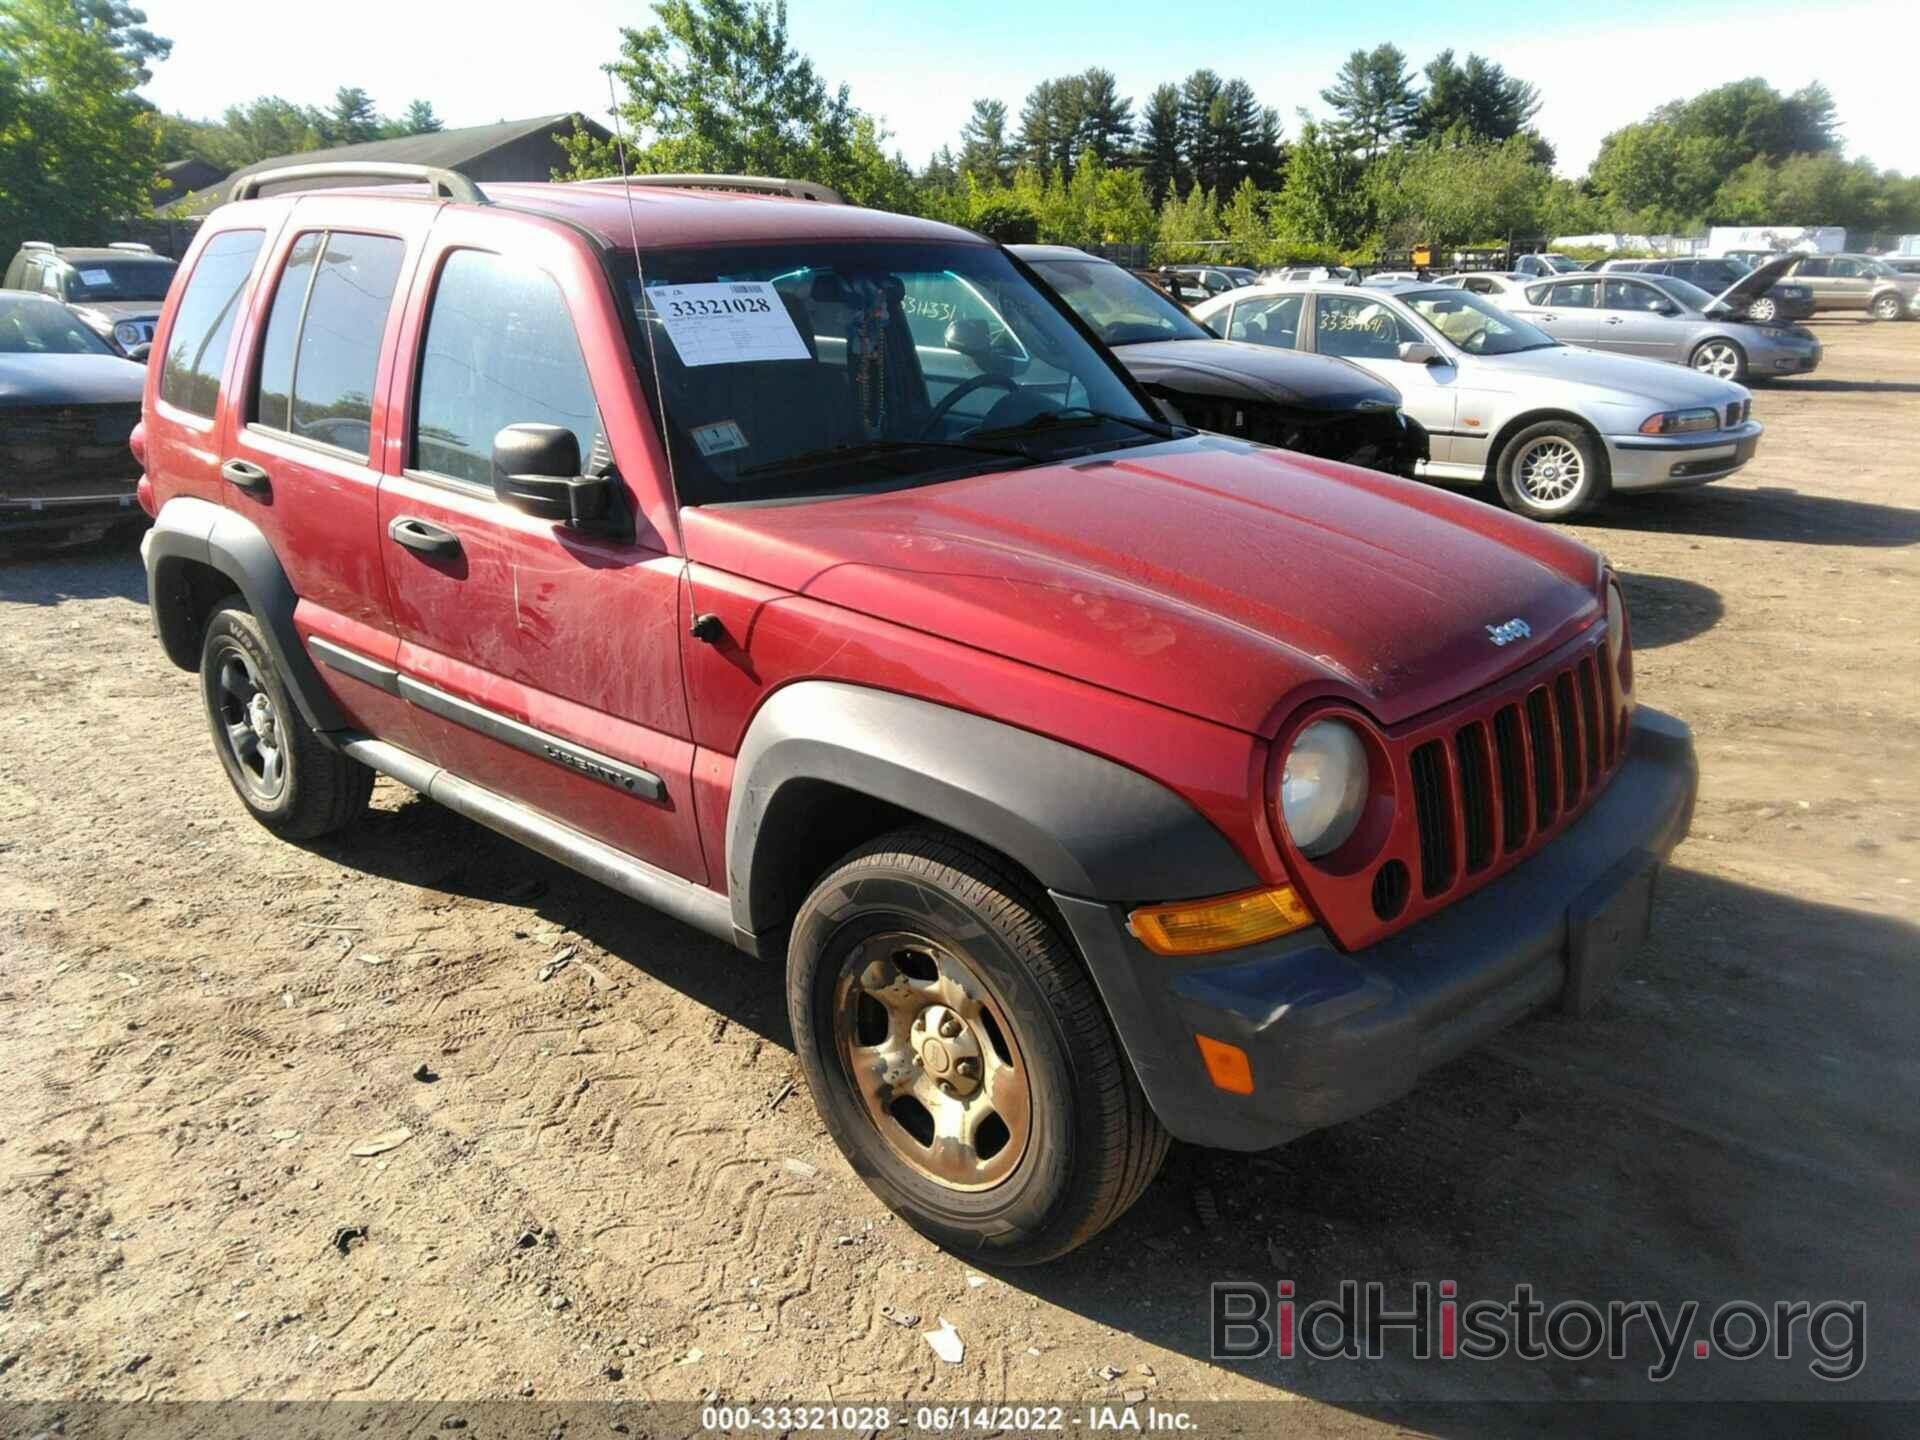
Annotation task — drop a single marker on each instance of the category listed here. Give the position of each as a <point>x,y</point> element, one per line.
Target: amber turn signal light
<point>1200,927</point>
<point>1227,1065</point>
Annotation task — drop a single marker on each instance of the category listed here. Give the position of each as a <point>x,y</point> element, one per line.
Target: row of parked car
<point>865,595</point>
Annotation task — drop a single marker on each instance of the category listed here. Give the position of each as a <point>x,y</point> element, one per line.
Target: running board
<point>685,901</point>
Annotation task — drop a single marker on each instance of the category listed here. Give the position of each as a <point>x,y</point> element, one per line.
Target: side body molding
<point>1080,824</point>
<point>192,531</point>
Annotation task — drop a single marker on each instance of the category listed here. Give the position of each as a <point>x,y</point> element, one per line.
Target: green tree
<point>78,150</point>
<point>1162,156</point>
<point>1053,124</point>
<point>352,120</point>
<point>1106,120</point>
<point>1324,200</point>
<point>1373,100</point>
<point>1203,137</point>
<point>420,119</point>
<point>270,126</point>
<point>985,148</point>
<point>1478,97</point>
<point>1654,177</point>
<point>125,28</point>
<point>1452,194</point>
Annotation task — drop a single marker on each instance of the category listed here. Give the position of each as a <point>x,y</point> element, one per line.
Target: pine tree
<point>1106,121</point>
<point>1373,100</point>
<point>985,149</point>
<point>1162,154</point>
<point>420,119</point>
<point>352,120</point>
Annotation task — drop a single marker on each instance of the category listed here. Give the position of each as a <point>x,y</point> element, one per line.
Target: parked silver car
<point>1661,317</point>
<point>1554,427</point>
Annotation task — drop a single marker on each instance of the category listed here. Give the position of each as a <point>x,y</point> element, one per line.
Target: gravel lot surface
<point>608,1181</point>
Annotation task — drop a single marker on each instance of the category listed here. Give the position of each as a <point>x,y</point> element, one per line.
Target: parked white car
<point>1554,427</point>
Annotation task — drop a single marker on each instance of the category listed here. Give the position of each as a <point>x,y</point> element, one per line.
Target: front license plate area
<point>1605,927</point>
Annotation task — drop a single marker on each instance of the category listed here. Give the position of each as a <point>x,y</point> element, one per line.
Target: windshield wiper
<point>865,449</point>
<point>1076,415</point>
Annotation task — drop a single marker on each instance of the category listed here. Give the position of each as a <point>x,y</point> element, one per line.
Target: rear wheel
<point>1763,310</point>
<point>1550,471</point>
<point>1886,307</point>
<point>289,781</point>
<point>959,1055</point>
<point>1721,359</point>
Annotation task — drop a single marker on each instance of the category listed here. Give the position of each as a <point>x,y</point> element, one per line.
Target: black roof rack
<point>450,183</point>
<point>756,184</point>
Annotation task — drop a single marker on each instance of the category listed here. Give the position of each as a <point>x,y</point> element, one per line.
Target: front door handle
<point>424,537</point>
<point>1615,320</point>
<point>247,475</point>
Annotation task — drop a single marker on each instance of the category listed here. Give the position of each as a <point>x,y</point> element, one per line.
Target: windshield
<point>1476,324</point>
<point>816,369</point>
<point>1121,308</point>
<point>1685,291</point>
<point>40,327</point>
<point>119,280</point>
<point>1561,264</point>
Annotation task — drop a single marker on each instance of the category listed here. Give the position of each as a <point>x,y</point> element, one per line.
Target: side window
<point>500,350</point>
<point>1357,328</point>
<point>53,280</point>
<point>1815,268</point>
<point>1846,269</point>
<point>203,321</point>
<point>1625,295</point>
<point>1270,320</point>
<point>322,351</point>
<point>1576,296</point>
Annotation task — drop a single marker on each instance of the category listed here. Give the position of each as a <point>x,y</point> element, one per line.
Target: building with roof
<point>511,150</point>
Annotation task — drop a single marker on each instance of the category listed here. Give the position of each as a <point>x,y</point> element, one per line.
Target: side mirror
<point>1418,352</point>
<point>536,470</point>
<point>140,352</point>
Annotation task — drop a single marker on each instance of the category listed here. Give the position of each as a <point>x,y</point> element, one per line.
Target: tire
<point>923,918</point>
<point>1720,358</point>
<point>1887,307</point>
<point>1763,311</point>
<point>288,780</point>
<point>1551,471</point>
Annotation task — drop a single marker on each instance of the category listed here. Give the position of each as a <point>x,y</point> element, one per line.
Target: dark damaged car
<point>1312,404</point>
<point>68,405</point>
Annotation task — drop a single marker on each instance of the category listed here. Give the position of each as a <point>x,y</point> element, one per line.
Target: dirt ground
<point>614,1186</point>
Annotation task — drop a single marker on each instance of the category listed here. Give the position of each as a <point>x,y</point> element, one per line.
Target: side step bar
<point>686,902</point>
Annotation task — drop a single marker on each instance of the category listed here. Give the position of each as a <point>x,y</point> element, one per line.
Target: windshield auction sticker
<point>727,324</point>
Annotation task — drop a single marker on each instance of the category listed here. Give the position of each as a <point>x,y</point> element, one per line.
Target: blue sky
<point>919,65</point>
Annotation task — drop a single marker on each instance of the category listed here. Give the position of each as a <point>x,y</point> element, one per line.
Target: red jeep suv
<point>813,574</point>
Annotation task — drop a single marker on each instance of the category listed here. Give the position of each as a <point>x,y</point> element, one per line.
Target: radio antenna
<point>643,311</point>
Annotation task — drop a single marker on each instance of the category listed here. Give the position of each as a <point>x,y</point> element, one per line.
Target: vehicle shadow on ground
<point>1865,387</point>
<point>42,574</point>
<point>1772,512</point>
<point>417,842</point>
<point>1721,1126</point>
<point>1666,610</point>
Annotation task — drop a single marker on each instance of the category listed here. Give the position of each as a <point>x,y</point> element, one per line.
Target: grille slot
<point>1511,752</point>
<point>1590,712</point>
<point>1546,770</point>
<point>1564,712</point>
<point>1476,794</point>
<point>1433,814</point>
<point>1391,885</point>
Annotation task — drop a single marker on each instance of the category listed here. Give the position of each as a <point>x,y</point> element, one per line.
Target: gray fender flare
<point>1080,824</point>
<point>193,531</point>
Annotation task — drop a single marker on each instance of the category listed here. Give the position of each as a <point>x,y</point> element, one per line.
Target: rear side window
<point>1269,320</point>
<point>203,322</point>
<point>322,346</point>
<point>500,350</point>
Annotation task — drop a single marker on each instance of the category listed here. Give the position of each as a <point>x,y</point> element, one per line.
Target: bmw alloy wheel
<point>1719,359</point>
<point>1550,472</point>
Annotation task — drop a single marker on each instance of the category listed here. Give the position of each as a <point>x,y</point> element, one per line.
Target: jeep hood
<point>1259,374</point>
<point>1217,578</point>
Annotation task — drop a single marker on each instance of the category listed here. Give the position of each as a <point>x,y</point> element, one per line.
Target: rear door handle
<point>245,474</point>
<point>424,537</point>
<point>1615,320</point>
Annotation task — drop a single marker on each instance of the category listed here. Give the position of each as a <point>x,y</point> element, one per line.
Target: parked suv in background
<point>116,289</point>
<point>1097,782</point>
<point>1858,282</point>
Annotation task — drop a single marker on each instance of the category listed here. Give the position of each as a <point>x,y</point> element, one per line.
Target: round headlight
<point>1323,786</point>
<point>127,333</point>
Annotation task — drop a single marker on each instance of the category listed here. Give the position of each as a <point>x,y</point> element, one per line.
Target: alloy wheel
<point>931,1053</point>
<point>1762,309</point>
<point>1887,307</point>
<point>1550,472</point>
<point>1718,359</point>
<point>251,726</point>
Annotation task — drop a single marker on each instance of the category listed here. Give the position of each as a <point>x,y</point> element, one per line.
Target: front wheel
<point>1550,471</point>
<point>1886,307</point>
<point>959,1055</point>
<point>1721,359</point>
<point>1763,310</point>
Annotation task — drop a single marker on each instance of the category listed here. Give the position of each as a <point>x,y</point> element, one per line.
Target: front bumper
<point>1333,1034</point>
<point>68,512</point>
<point>1799,355</point>
<point>1654,462</point>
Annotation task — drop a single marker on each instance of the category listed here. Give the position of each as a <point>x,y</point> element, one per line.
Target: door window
<point>203,321</point>
<point>500,351</point>
<point>1626,295</point>
<point>1574,295</point>
<point>1847,270</point>
<point>1357,328</point>
<point>1815,268</point>
<point>1269,320</point>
